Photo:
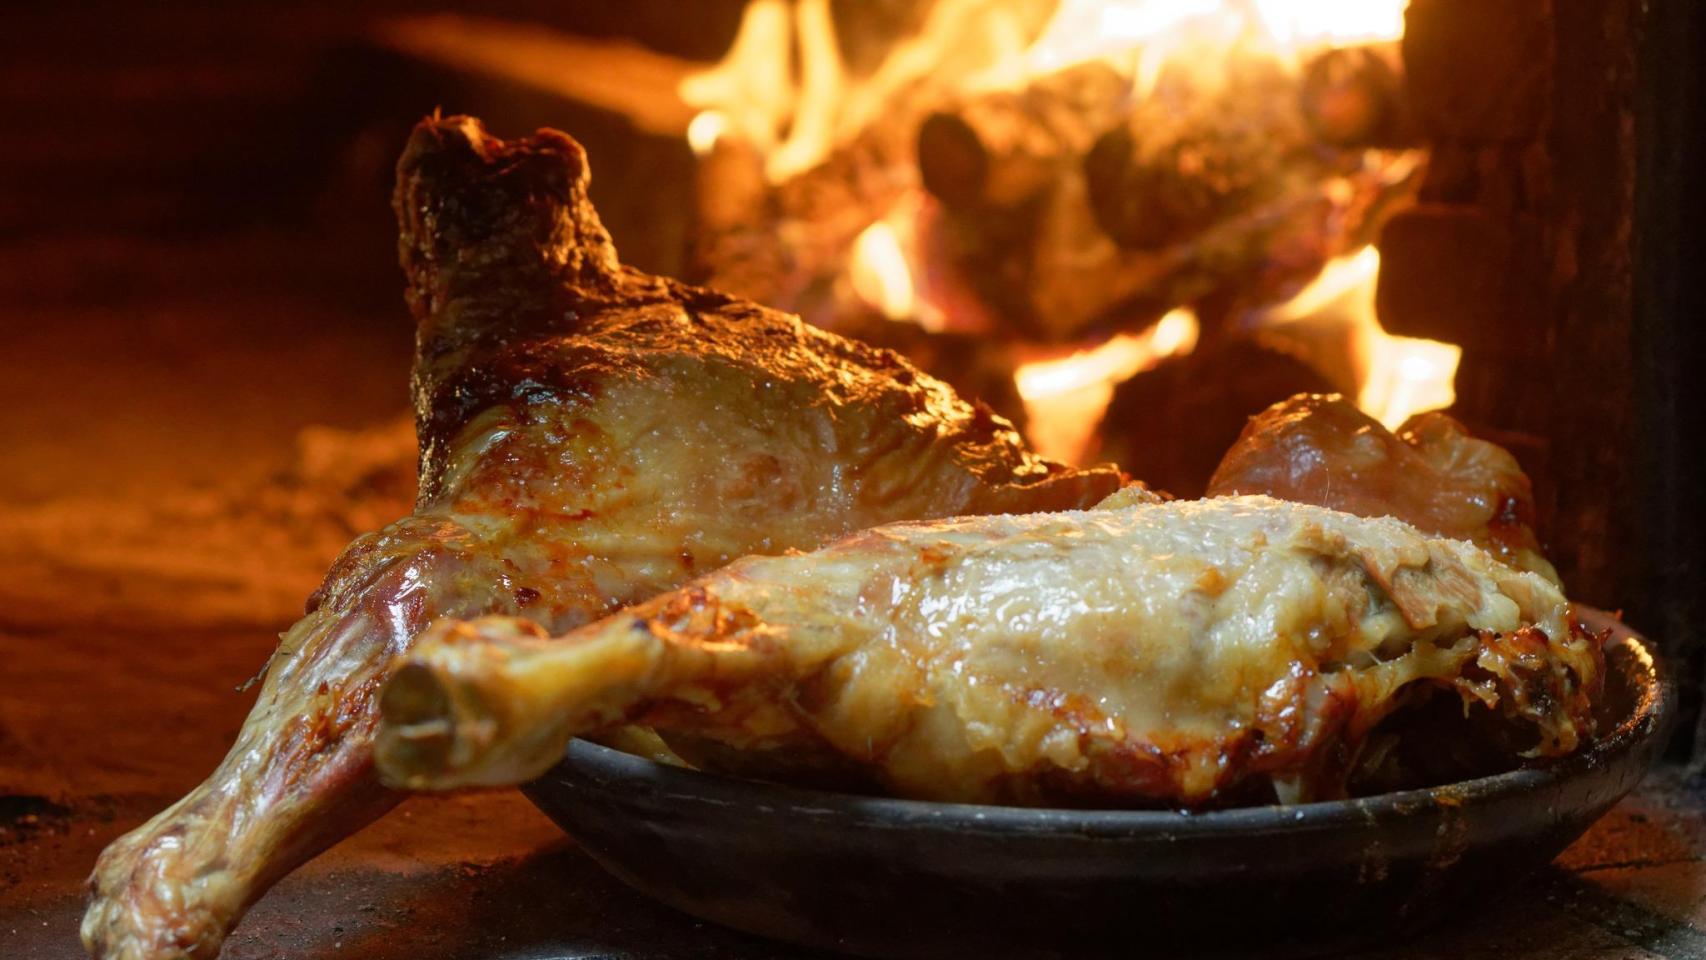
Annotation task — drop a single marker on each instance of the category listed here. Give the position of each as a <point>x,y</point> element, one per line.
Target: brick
<point>1458,274</point>
<point>1451,173</point>
<point>1501,178</point>
<point>1479,69</point>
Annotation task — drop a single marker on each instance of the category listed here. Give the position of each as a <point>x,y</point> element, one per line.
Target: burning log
<point>782,243</point>
<point>953,161</point>
<point>1057,208</point>
<point>1064,277</point>
<point>1148,203</point>
<point>1353,98</point>
<point>1185,158</point>
<point>1074,276</point>
<point>1001,149</point>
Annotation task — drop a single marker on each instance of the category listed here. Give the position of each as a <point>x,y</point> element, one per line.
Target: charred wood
<point>1002,149</point>
<point>1353,98</point>
<point>1186,157</point>
<point>1170,426</point>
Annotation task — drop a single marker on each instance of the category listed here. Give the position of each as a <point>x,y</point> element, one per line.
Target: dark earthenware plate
<point>905,878</point>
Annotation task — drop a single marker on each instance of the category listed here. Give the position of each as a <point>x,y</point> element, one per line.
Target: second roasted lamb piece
<point>1190,653</point>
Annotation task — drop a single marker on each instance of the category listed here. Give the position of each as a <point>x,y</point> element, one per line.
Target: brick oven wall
<point>1519,250</point>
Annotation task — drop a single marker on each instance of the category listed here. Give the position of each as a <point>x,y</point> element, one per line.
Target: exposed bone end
<point>493,701</point>
<point>419,736</point>
<point>445,704</point>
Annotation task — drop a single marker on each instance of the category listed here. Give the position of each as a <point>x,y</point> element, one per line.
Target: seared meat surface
<point>1321,449</point>
<point>590,436</point>
<point>1178,653</point>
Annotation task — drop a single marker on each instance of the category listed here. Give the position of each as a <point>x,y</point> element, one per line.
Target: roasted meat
<point>590,436</point>
<point>1178,653</point>
<point>1321,449</point>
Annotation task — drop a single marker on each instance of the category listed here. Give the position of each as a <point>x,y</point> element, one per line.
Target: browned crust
<point>520,299</point>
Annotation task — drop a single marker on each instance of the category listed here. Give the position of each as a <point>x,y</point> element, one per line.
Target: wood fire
<point>1077,183</point>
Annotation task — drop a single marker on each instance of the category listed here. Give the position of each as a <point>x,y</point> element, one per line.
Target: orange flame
<point>880,273</point>
<point>880,268</point>
<point>1396,377</point>
<point>787,92</point>
<point>1145,36</point>
<point>752,88</point>
<point>784,88</point>
<point>1065,396</point>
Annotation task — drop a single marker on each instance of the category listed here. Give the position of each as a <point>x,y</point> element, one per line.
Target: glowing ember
<point>1064,397</point>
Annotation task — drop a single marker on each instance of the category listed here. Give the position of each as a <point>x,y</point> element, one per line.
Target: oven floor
<point>162,523</point>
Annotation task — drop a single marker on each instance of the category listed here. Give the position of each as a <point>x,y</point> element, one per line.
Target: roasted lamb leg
<point>1182,653</point>
<point>590,436</point>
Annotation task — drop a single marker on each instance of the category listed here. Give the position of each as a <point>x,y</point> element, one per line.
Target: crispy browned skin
<point>1320,449</point>
<point>590,436</point>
